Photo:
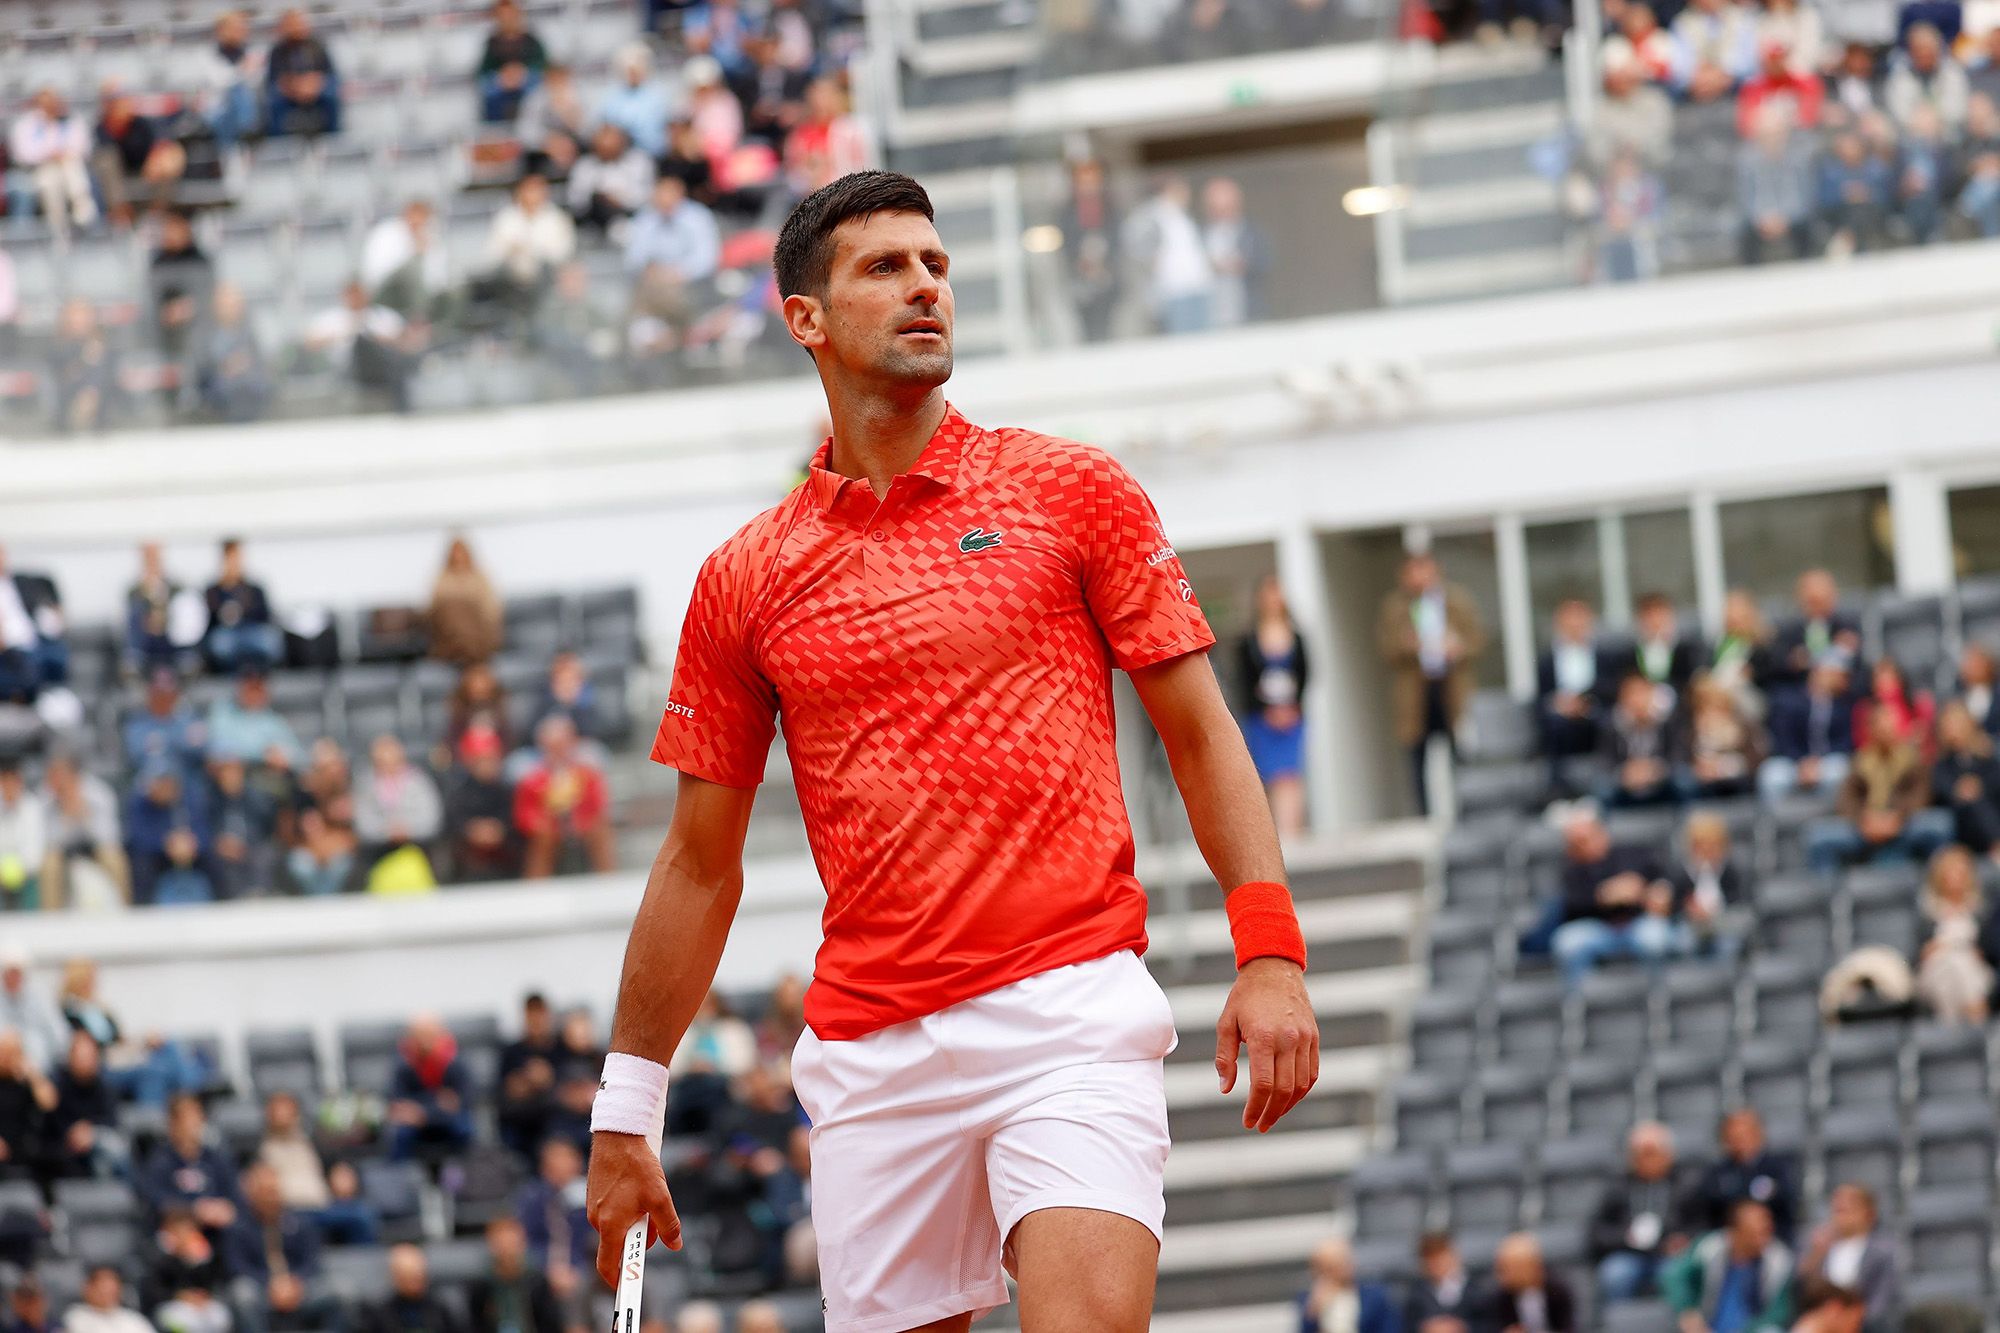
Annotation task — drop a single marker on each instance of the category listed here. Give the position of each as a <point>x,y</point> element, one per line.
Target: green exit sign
<point>1244,93</point>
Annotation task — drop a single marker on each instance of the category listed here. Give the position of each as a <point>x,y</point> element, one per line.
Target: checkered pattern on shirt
<point>947,711</point>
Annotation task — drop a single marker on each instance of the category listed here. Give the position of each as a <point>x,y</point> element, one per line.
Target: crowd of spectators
<point>1857,126</point>
<point>712,125</point>
<point>233,1228</point>
<point>235,802</point>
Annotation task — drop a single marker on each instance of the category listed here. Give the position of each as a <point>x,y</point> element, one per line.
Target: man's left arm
<point>1268,1009</point>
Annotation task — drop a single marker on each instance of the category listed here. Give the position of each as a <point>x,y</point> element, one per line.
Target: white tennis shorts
<point>932,1138</point>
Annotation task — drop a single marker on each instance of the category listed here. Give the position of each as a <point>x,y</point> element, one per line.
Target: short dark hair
<point>803,259</point>
<point>231,544</point>
<point>1817,1293</point>
<point>1654,601</point>
<point>1433,1242</point>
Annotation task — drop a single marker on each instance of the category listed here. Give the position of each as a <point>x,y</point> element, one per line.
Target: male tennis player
<point>935,614</point>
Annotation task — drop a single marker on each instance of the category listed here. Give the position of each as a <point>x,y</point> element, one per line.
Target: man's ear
<point>805,320</point>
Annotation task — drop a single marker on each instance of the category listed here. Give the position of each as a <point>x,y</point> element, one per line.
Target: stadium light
<point>1043,240</point>
<point>1365,201</point>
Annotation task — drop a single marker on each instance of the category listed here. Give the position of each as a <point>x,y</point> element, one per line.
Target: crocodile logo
<point>979,539</point>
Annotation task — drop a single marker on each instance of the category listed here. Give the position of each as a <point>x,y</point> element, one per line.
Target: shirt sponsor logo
<point>979,539</point>
<point>680,710</point>
<point>1161,556</point>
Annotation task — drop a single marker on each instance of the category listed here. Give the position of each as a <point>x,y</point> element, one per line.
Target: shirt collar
<point>939,461</point>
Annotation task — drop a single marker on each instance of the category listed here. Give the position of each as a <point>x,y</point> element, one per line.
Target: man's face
<point>31,1304</point>
<point>294,26</point>
<point>232,563</point>
<point>174,233</point>
<point>1658,624</point>
<point>1573,622</point>
<point>559,1163</point>
<point>12,785</point>
<point>887,310</point>
<point>1440,1263</point>
<point>83,1056</point>
<point>1849,1212</point>
<point>1650,1158</point>
<point>508,1245</point>
<point>281,1115</point>
<point>532,193</point>
<point>408,1273</point>
<point>232,30</point>
<point>1743,1136</point>
<point>103,1289</point>
<point>1750,1231</point>
<point>49,104</point>
<point>537,1022</point>
<point>667,195</point>
<point>1818,595</point>
<point>253,694</point>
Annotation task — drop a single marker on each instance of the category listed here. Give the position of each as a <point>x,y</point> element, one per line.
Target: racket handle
<point>631,1279</point>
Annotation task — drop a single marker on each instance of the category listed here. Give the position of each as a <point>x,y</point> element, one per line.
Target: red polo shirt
<point>941,662</point>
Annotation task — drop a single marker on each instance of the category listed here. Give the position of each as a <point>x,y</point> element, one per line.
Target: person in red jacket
<point>1775,81</point>
<point>562,799</point>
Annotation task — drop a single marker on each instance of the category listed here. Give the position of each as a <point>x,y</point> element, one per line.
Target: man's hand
<point>626,1184</point>
<point>1269,1012</point>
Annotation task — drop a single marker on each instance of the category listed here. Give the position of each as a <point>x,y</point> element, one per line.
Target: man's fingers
<point>610,1244</point>
<point>666,1221</point>
<point>1262,1078</point>
<point>1227,1040</point>
<point>1284,1069</point>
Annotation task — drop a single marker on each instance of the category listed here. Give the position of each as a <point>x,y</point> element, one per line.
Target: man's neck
<point>879,437</point>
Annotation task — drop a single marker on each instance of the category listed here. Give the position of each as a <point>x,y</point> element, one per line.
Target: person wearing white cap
<point>25,1009</point>
<point>638,104</point>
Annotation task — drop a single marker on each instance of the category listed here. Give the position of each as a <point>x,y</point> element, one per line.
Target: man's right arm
<point>670,962</point>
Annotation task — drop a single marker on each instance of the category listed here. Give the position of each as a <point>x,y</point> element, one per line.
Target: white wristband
<point>631,1098</point>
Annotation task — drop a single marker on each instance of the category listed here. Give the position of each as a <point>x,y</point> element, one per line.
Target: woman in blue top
<point>1272,661</point>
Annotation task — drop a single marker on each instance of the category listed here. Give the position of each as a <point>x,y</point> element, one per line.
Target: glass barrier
<point>1096,36</point>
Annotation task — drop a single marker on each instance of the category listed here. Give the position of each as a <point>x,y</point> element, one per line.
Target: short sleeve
<point>1133,581</point>
<point>721,711</point>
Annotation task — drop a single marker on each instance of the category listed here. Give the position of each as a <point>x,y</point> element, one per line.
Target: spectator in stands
<point>273,1250</point>
<point>241,630</point>
<point>700,1317</point>
<point>377,347</point>
<point>1333,1300</point>
<point>184,878</point>
<point>1614,904</point>
<point>244,819</point>
<point>149,604</point>
<point>1659,652</point>
<point>430,1093</point>
<point>671,254</point>
<point>1926,75</point>
<point>348,1218</point>
<point>610,183</point>
<point>85,869</point>
<point>232,377</point>
<point>716,114</point>
<point>1854,192</point>
<point>562,800</point>
<point>510,66</point>
<point>577,333</point>
<point>1719,48</point>
<point>1272,675</point>
<point>1849,1252</point>
<point>1965,779</point>
<point>411,1307</point>
<point>28,1306</point>
<point>465,618</point>
<point>1429,633</point>
<point>1724,747</point>
<point>1631,1232</point>
<point>528,1078</point>
<point>717,1042</point>
<point>1954,980</point>
<point>1642,746</point>
<point>1979,197</point>
<point>323,858</point>
<point>52,145</point>
<point>1091,260</point>
<point>162,804</point>
<point>24,839</point>
<point>287,1151</point>
<point>479,811</point>
<point>1746,1169</point>
<point>167,732</point>
<point>1914,711</point>
<point>478,702</point>
<point>1798,28</point>
<point>784,1019</point>
<point>1780,93</point>
<point>1575,682</point>
<point>84,371</point>
<point>302,93</point>
<point>1642,41</point>
<point>638,104</point>
<point>1820,631</point>
<point>103,1308</point>
<point>827,143</point>
<point>551,1211</point>
<point>1706,883</point>
<point>516,1294</point>
<point>1812,736</point>
<point>1924,169</point>
<point>184,1277</point>
<point>1881,806</point>
<point>553,124</point>
<point>1524,1293</point>
<point>229,77</point>
<point>184,1171</point>
<point>719,30</point>
<point>404,265</point>
<point>33,646</point>
<point>569,694</point>
<point>529,240</point>
<point>1238,253</point>
<point>244,726</point>
<point>1165,244</point>
<point>396,804</point>
<point>687,161</point>
<point>1739,1278</point>
<point>181,282</point>
<point>578,1059</point>
<point>759,1316</point>
<point>28,1012</point>
<point>770,92</point>
<point>83,1135</point>
<point>1442,1296</point>
<point>26,1099</point>
<point>132,161</point>
<point>1775,189</point>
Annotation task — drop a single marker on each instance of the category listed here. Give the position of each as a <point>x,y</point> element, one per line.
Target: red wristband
<point>1263,924</point>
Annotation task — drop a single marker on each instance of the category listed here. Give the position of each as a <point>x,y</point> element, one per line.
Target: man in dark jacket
<point>1443,1296</point>
<point>515,1297</point>
<point>83,1138</point>
<point>302,90</point>
<point>272,1256</point>
<point>1812,735</point>
<point>528,1078</point>
<point>1660,652</point>
<point>1614,904</point>
<point>1822,632</point>
<point>241,631</point>
<point>185,1172</point>
<point>1747,1169</point>
<point>1706,882</point>
<point>1738,1278</point>
<point>430,1093</point>
<point>1525,1296</point>
<point>1629,1232</point>
<point>33,650</point>
<point>1574,681</point>
<point>26,1098</point>
<point>412,1307</point>
<point>1642,743</point>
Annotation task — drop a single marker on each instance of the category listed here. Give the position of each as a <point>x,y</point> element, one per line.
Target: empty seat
<point>1951,1062</point>
<point>1574,1171</point>
<point>368,1055</point>
<point>1603,1091</point>
<point>1482,789</point>
<point>1461,950</point>
<point>1950,1233</point>
<point>1913,633</point>
<point>284,1060</point>
<point>370,703</point>
<point>1498,726</point>
<point>1428,1109</point>
<point>1979,612</point>
<point>1778,1083</point>
<point>610,619</point>
<point>1390,1195</point>
<point>1700,1004</point>
<point>358,1274</point>
<point>1795,918</point>
<point>1617,1011</point>
<point>1484,1186</point>
<point>239,1122</point>
<point>1646,1316</point>
<point>1863,1065</point>
<point>96,1199</point>
<point>1863,1146</point>
<point>1444,1031</point>
<point>1528,1022</point>
<point>1954,1144</point>
<point>1688,1090</point>
<point>534,625</point>
<point>1514,1103</point>
<point>395,1191</point>
<point>1785,998</point>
